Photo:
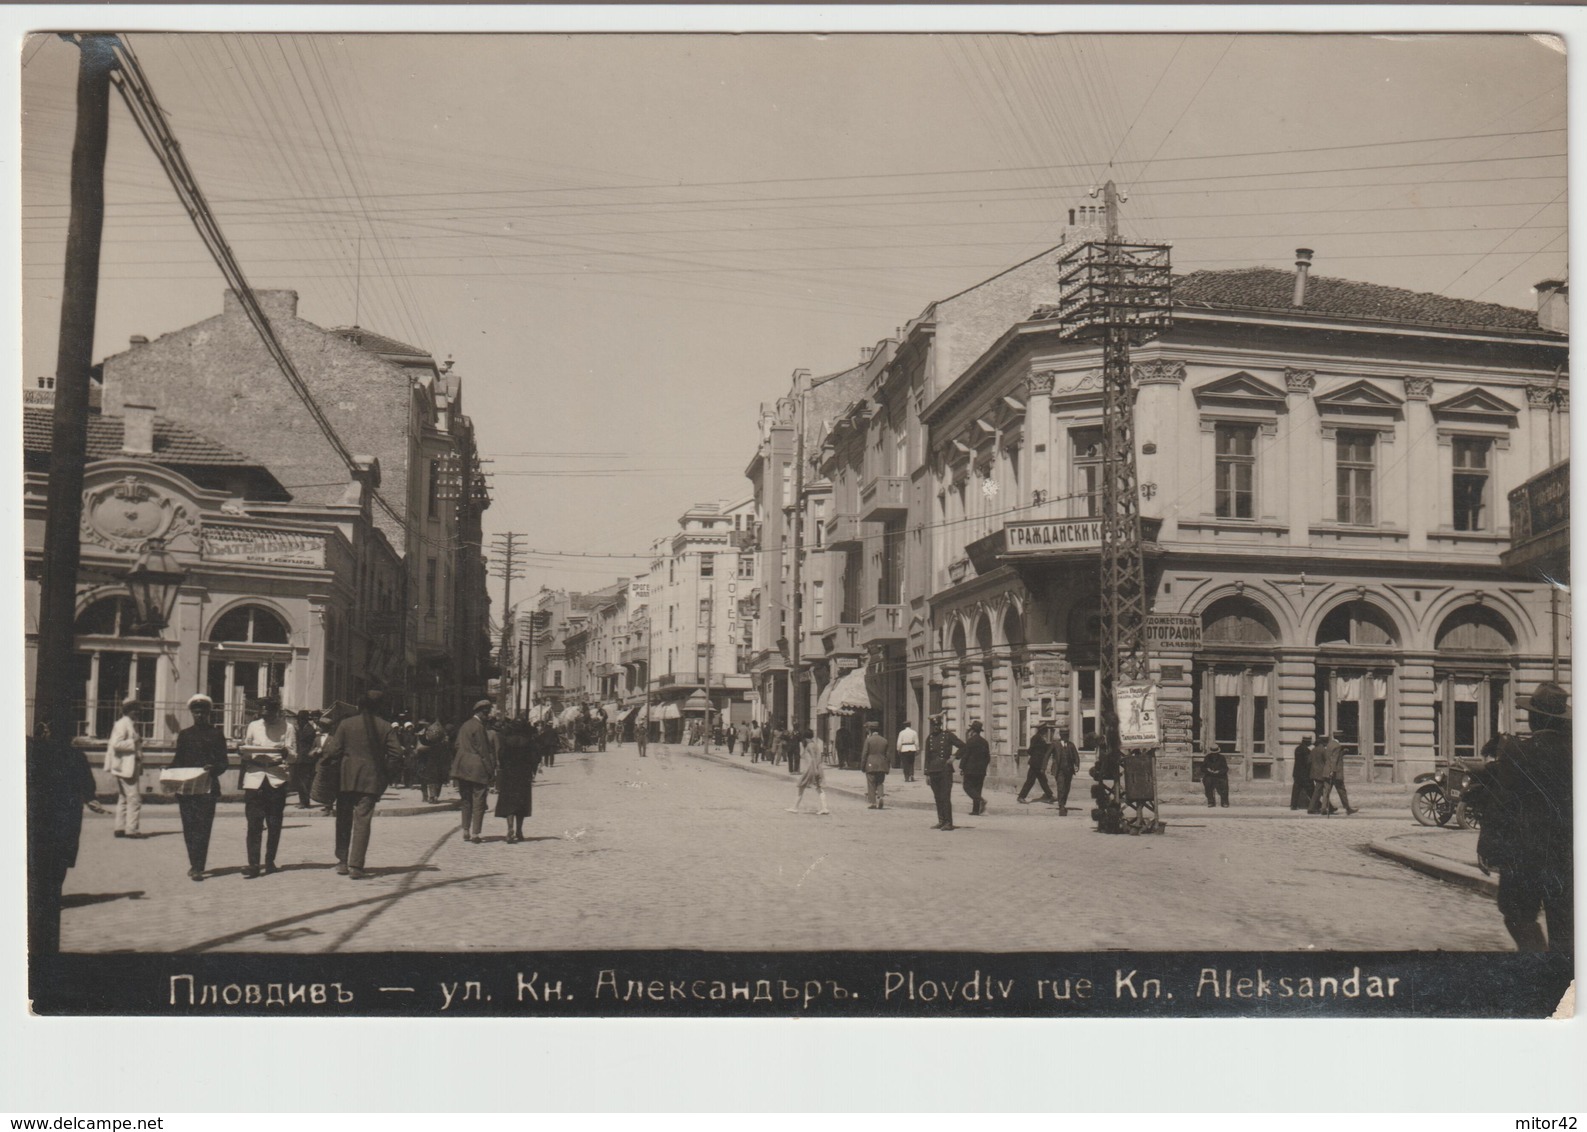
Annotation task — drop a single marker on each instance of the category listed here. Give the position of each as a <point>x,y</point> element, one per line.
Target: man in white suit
<point>124,764</point>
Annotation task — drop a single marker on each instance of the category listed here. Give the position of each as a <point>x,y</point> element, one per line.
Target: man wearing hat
<point>267,744</point>
<point>1065,765</point>
<point>474,768</point>
<point>201,745</point>
<point>1527,826</point>
<point>974,761</point>
<point>124,764</point>
<point>1039,751</point>
<point>940,747</point>
<point>875,759</point>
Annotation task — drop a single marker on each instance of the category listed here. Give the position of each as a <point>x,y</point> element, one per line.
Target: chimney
<point>865,353</point>
<point>1302,269</point>
<point>1553,305</point>
<point>139,340</point>
<point>137,429</point>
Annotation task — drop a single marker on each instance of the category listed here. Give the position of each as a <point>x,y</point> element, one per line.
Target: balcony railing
<point>881,623</point>
<point>842,531</point>
<point>883,498</point>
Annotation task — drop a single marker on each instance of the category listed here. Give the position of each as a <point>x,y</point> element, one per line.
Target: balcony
<point>842,532</point>
<point>812,647</point>
<point>883,623</point>
<point>842,640</point>
<point>883,498</point>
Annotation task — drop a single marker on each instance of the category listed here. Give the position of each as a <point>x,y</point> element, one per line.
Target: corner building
<point>1323,472</point>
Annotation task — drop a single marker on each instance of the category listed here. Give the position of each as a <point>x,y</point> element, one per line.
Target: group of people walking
<point>343,766</point>
<point>1318,771</point>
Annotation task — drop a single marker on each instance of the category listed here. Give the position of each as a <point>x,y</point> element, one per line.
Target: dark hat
<point>975,725</point>
<point>1549,699</point>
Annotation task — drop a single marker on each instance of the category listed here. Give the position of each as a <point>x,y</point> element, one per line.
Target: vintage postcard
<point>957,524</point>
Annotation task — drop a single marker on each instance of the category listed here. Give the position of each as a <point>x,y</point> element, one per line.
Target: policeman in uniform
<point>940,747</point>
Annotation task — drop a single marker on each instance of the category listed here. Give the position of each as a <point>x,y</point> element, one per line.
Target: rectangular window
<point>1357,462</point>
<point>432,493</point>
<point>707,565</point>
<point>430,571</point>
<point>746,565</point>
<point>1235,471</point>
<point>818,602</point>
<point>556,678</point>
<point>1085,486</point>
<point>705,613</point>
<point>1471,486</point>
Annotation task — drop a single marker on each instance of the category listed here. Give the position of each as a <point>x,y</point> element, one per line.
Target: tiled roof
<point>1273,289</point>
<point>378,343</point>
<point>173,443</point>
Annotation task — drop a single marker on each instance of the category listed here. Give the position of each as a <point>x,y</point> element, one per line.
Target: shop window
<point>1235,470</point>
<point>1085,485</point>
<point>1472,487</point>
<point>1234,701</point>
<point>1355,479</point>
<point>111,617</point>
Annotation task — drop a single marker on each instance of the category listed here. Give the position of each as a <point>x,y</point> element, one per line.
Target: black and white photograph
<point>800,524</point>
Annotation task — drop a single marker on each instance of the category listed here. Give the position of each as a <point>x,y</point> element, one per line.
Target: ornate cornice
<point>1162,371</point>
<point>1300,380</point>
<point>1548,396</point>
<point>1418,388</point>
<point>1039,383</point>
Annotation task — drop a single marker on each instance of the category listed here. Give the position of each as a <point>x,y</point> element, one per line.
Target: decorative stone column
<point>1420,488</point>
<point>1301,449</point>
<point>1038,435</point>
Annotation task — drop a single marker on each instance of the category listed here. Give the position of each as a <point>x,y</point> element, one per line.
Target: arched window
<point>1232,684</point>
<point>250,624</point>
<point>111,617</point>
<point>1475,628</point>
<point>1357,623</point>
<point>1238,621</point>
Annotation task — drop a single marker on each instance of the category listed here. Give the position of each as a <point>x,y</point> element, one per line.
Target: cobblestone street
<point>679,850</point>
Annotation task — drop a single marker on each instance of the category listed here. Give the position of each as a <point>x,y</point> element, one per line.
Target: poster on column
<point>1138,722</point>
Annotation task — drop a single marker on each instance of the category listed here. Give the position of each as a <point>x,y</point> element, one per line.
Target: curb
<point>1467,876</point>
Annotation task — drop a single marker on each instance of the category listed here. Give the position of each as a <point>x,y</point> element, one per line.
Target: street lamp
<point>153,583</point>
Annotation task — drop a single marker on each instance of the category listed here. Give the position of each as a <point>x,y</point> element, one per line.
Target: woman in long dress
<point>814,752</point>
<point>515,777</point>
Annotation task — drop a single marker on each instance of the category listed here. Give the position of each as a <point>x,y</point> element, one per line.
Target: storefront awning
<point>697,702</point>
<point>625,714</point>
<point>851,693</point>
<point>825,699</point>
<point>569,716</point>
<point>613,709</point>
<point>671,711</point>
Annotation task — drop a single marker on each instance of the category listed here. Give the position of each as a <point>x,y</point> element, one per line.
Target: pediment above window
<point>1241,389</point>
<point>1358,397</point>
<point>1476,405</point>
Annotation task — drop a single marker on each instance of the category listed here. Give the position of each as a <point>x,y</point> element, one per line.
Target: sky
<point>628,243</point>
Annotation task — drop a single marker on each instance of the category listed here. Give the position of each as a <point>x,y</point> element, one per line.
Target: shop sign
<point>1043,536</point>
<point>1173,630</point>
<point>262,547</point>
<point>1046,673</point>
<point>1138,722</point>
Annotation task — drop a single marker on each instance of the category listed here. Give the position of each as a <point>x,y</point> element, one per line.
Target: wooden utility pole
<point>710,624</point>
<point>509,566</point>
<point>795,678</point>
<point>52,695</point>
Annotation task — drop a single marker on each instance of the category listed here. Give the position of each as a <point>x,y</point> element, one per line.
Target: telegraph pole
<point>1119,293</point>
<point>710,625</point>
<point>52,701</point>
<point>796,718</point>
<point>504,550</point>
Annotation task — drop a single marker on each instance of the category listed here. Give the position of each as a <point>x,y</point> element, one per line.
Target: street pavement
<point>687,850</point>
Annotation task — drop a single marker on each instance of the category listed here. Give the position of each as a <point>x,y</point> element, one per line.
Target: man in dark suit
<point>974,761</point>
<point>1300,776</point>
<point>359,750</point>
<point>1039,752</point>
<point>1215,777</point>
<point>1065,765</point>
<point>940,747</point>
<point>474,768</point>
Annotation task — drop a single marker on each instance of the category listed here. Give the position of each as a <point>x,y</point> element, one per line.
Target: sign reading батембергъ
<point>261,546</point>
<point>1035,536</point>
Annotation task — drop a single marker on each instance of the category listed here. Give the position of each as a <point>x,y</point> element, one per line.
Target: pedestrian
<point>1300,776</point>
<point>1065,765</point>
<point>1039,752</point>
<point>813,776</point>
<point>1215,777</point>
<point>1328,775</point>
<point>642,730</point>
<point>732,739</point>
<point>1524,805</point>
<point>358,753</point>
<point>124,764</point>
<point>59,784</point>
<point>940,747</point>
<point>792,744</point>
<point>973,764</point>
<point>876,759</point>
<point>300,763</point>
<point>435,759</point>
<point>203,745</point>
<point>474,769</point>
<point>907,746</point>
<point>408,735</point>
<point>553,743</point>
<point>322,736</point>
<point>266,745</point>
<point>520,758</point>
<point>600,726</point>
